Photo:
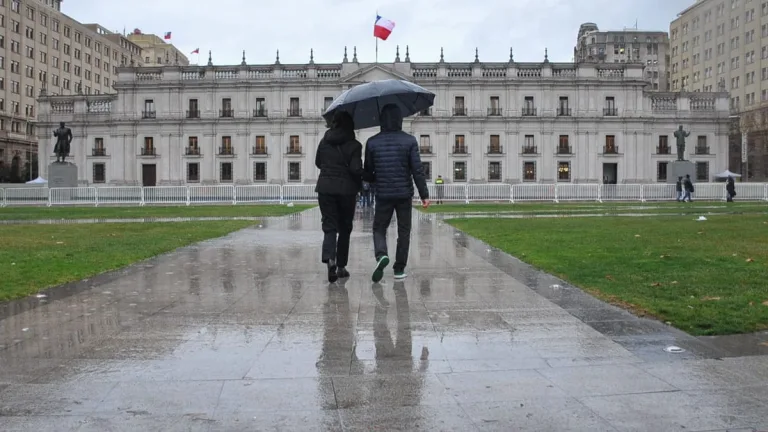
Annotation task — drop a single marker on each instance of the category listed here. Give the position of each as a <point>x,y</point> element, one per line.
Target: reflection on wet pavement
<point>242,333</point>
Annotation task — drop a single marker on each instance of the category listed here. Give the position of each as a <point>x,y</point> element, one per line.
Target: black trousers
<point>382,217</point>
<point>338,213</point>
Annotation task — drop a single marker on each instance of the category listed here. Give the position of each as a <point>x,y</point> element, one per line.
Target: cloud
<point>227,27</point>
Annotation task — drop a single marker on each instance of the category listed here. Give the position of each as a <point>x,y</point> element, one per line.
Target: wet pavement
<point>242,333</point>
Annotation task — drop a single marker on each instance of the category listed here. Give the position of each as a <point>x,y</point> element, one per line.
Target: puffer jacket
<point>392,159</point>
<point>339,158</point>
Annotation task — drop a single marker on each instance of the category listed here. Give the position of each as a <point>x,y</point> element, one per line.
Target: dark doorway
<point>149,175</point>
<point>610,173</point>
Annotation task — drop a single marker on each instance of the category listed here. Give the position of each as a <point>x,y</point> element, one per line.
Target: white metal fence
<point>464,193</point>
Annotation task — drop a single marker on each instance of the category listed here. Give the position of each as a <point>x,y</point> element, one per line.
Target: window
<point>495,109</point>
<point>663,147</point>
<point>225,172</point>
<point>701,145</point>
<point>459,171</point>
<point>494,171</point>
<point>610,106</point>
<point>610,144</point>
<point>294,109</point>
<point>294,146</point>
<point>427,167</point>
<point>149,147</point>
<point>563,145</point>
<point>226,146</point>
<point>193,172</point>
<point>192,110</point>
<point>98,147</point>
<point>495,145</point>
<point>563,171</point>
<point>30,52</point>
<point>326,103</point>
<point>192,146</point>
<point>702,171</point>
<point>226,108</point>
<point>261,108</point>
<point>661,171</point>
<point>149,109</point>
<point>294,171</point>
<point>459,146</point>
<point>425,145</point>
<point>260,146</point>
<point>563,108</point>
<point>528,145</point>
<point>259,171</point>
<point>99,172</point>
<point>529,106</point>
<point>529,171</point>
<point>458,106</point>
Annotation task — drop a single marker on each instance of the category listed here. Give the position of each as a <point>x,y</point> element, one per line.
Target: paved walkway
<point>243,334</point>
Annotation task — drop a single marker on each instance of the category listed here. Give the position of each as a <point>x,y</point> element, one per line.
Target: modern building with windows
<point>44,50</point>
<point>155,51</point>
<point>629,45</point>
<point>492,122</point>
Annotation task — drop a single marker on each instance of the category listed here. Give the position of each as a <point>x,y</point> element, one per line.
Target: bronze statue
<point>680,134</point>
<point>64,138</point>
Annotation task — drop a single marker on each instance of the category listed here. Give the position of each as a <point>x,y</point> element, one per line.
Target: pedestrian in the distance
<point>439,189</point>
<point>730,189</point>
<point>392,158</point>
<point>679,189</point>
<point>688,187</point>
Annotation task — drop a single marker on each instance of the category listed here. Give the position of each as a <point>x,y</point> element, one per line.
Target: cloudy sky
<point>260,27</point>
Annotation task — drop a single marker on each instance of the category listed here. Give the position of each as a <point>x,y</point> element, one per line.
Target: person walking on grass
<point>688,186</point>
<point>679,189</point>
<point>339,158</point>
<point>392,158</point>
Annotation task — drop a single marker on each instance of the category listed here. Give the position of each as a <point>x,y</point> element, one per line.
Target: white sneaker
<point>400,275</point>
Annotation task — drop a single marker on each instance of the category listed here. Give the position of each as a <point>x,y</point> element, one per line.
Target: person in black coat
<point>339,158</point>
<point>730,189</point>
<point>679,188</point>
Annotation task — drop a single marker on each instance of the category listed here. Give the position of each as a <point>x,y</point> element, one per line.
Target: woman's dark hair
<point>342,120</point>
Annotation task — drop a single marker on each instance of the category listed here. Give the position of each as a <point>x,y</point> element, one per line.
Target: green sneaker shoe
<point>400,275</point>
<point>378,272</point>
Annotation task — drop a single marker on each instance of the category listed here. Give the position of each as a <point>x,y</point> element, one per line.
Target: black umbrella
<point>364,102</point>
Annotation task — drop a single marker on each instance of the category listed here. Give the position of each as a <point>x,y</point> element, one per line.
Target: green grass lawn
<point>34,257</point>
<point>30,213</point>
<point>706,278</point>
<point>595,207</point>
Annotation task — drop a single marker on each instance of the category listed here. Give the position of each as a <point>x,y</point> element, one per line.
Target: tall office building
<point>155,51</point>
<point>629,45</point>
<point>43,50</point>
<point>723,44</point>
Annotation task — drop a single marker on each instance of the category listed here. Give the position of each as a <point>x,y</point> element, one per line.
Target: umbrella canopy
<point>727,173</point>
<point>364,102</point>
<point>38,180</point>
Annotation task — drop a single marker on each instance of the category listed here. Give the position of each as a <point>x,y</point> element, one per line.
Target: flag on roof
<point>382,28</point>
<point>167,36</point>
<point>196,51</point>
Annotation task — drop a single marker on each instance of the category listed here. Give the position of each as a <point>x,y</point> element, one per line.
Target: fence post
<point>282,201</point>
<point>466,194</point>
<point>189,197</point>
<point>96,197</point>
<point>511,196</point>
<point>50,192</point>
<point>599,193</point>
<point>234,195</point>
<point>142,202</point>
<point>557,201</point>
<point>2,203</point>
<point>642,193</point>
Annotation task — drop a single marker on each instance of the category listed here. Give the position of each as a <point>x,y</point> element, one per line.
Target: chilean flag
<point>167,35</point>
<point>382,28</point>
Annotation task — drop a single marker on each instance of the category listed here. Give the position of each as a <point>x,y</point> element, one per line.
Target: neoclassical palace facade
<point>492,122</point>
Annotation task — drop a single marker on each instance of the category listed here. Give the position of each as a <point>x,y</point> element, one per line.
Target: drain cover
<point>674,349</point>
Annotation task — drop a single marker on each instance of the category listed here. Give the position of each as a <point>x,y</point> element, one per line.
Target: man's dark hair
<point>343,120</point>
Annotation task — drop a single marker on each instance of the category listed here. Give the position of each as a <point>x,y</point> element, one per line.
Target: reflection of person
<point>730,189</point>
<point>392,158</point>
<point>64,139</point>
<point>339,158</point>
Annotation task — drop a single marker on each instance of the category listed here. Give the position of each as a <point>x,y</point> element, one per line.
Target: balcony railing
<point>148,114</point>
<point>702,150</point>
<point>226,113</point>
<point>563,112</point>
<point>427,112</point>
<point>663,150</point>
<point>99,151</point>
<point>293,149</point>
<point>459,149</point>
<point>226,151</point>
<point>259,150</point>
<point>148,151</point>
<point>496,149</point>
<point>529,111</point>
<point>494,111</point>
<point>530,149</point>
<point>193,113</point>
<point>425,149</point>
<point>294,112</point>
<point>611,111</point>
<point>192,151</point>
<point>564,150</point>
<point>610,149</point>
<point>260,112</point>
<point>459,111</point>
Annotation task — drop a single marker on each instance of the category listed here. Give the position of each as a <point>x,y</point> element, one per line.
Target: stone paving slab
<point>243,334</point>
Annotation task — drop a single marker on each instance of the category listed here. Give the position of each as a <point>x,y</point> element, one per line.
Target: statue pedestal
<point>680,169</point>
<point>62,175</point>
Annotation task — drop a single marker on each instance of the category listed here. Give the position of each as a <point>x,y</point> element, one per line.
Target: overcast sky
<point>260,27</point>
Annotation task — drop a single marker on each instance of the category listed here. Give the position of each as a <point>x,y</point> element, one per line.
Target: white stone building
<point>492,122</point>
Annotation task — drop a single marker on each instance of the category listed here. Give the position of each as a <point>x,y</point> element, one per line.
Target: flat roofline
<point>689,8</point>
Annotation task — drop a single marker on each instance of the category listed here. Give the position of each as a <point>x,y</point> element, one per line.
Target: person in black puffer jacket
<point>339,158</point>
<point>392,158</point>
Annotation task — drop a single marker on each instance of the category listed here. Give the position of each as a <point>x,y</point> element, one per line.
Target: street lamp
<point>744,161</point>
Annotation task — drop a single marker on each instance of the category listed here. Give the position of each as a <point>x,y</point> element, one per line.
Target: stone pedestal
<point>680,169</point>
<point>62,175</point>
